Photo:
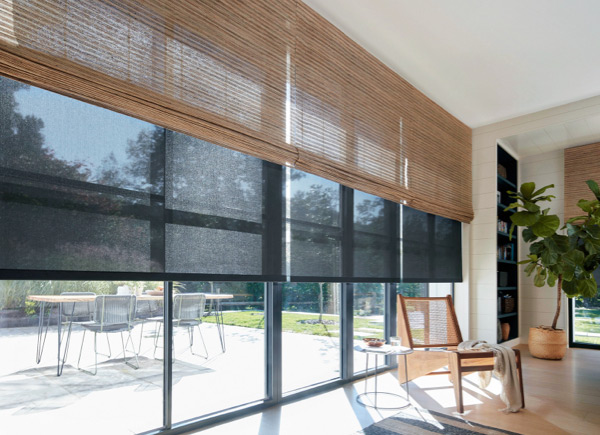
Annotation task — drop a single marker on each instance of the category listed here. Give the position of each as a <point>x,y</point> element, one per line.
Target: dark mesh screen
<point>76,184</point>
<point>431,248</point>
<point>216,199</point>
<point>314,227</point>
<point>375,241</point>
<point>86,189</point>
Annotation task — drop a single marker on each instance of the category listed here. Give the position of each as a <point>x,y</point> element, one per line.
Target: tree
<point>567,261</point>
<point>22,142</point>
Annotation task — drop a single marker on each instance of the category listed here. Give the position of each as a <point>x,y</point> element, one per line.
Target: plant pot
<point>547,343</point>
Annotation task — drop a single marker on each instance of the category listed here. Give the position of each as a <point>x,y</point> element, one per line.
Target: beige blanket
<point>505,368</point>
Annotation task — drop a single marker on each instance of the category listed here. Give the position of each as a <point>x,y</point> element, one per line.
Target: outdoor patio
<point>120,398</point>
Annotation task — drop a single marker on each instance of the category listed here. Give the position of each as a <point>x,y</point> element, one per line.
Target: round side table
<point>369,398</point>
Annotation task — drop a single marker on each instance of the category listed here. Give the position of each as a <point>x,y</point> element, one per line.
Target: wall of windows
<point>295,269</point>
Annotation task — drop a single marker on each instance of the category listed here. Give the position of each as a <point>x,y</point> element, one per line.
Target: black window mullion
<point>347,224</point>
<point>273,349</point>
<point>273,219</point>
<point>347,330</point>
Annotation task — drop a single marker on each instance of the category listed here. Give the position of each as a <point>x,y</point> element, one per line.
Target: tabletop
<point>90,298</point>
<point>386,349</point>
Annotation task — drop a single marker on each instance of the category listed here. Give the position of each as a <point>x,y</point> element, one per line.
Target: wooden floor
<point>562,397</point>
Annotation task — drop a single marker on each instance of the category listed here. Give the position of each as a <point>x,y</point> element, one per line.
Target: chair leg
<point>95,355</point>
<point>129,338</point>
<point>81,349</point>
<point>454,365</point>
<point>156,335</point>
<point>191,336</point>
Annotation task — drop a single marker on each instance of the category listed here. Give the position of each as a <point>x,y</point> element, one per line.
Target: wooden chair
<point>429,326</point>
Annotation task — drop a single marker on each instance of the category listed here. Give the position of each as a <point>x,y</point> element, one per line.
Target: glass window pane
<point>35,400</point>
<point>311,334</point>
<point>233,373</point>
<point>369,312</point>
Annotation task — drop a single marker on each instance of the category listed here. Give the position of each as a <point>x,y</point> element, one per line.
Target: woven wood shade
<point>270,79</point>
<point>581,164</point>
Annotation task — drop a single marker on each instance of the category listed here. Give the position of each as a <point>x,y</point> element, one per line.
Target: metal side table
<point>369,398</point>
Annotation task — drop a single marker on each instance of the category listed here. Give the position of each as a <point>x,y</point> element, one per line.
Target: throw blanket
<point>505,368</point>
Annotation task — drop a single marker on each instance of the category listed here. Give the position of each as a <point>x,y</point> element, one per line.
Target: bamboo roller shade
<point>271,79</point>
<point>581,164</point>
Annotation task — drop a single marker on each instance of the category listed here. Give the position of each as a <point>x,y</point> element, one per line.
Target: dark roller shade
<point>215,198</point>
<point>430,248</point>
<point>314,229</point>
<point>375,241</point>
<point>83,189</point>
<point>77,186</point>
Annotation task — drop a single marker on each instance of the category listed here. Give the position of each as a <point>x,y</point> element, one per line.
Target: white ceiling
<point>555,137</point>
<point>482,60</point>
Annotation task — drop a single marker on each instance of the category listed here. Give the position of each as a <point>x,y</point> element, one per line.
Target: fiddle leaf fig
<point>525,218</point>
<point>542,190</point>
<point>527,190</point>
<point>564,259</point>
<point>594,188</point>
<point>551,279</point>
<point>546,226</point>
<point>528,235</point>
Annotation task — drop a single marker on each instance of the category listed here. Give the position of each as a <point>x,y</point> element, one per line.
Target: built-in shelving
<point>506,258</point>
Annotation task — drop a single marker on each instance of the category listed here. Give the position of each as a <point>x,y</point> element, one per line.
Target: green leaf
<point>594,188</point>
<point>576,218</point>
<point>586,205</point>
<point>570,287</point>
<point>574,258</point>
<point>529,269</point>
<point>546,225</point>
<point>562,243</point>
<point>587,288</point>
<point>591,246</point>
<point>568,272</point>
<point>551,279</point>
<point>512,205</point>
<point>549,257</point>
<point>538,279</point>
<point>527,189</point>
<point>528,235</point>
<point>525,218</point>
<point>542,190</point>
<point>593,231</point>
<point>537,248</point>
<point>531,206</point>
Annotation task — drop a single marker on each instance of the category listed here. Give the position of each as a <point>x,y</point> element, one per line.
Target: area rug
<point>417,422</point>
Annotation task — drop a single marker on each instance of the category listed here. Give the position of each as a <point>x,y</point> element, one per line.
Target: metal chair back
<point>112,310</point>
<point>188,306</point>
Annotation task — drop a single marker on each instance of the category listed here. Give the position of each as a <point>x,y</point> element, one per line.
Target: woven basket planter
<point>547,343</point>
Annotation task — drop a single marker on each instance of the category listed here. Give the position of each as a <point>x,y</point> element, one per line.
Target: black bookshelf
<point>507,248</point>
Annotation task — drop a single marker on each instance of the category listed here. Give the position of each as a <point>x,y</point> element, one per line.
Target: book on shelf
<point>506,252</point>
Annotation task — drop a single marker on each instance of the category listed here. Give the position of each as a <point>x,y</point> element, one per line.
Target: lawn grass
<point>291,322</point>
<point>584,322</point>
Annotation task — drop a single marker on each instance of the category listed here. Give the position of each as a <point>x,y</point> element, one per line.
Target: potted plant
<point>565,260</point>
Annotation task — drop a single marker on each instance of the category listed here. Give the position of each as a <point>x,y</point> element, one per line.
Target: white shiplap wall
<point>538,304</point>
<point>482,277</point>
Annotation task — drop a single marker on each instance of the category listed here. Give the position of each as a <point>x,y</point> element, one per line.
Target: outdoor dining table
<point>65,298</point>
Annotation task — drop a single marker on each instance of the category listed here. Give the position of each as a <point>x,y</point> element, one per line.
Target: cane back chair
<point>430,327</point>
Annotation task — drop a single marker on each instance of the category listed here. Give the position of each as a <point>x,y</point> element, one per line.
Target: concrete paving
<point>120,399</point>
